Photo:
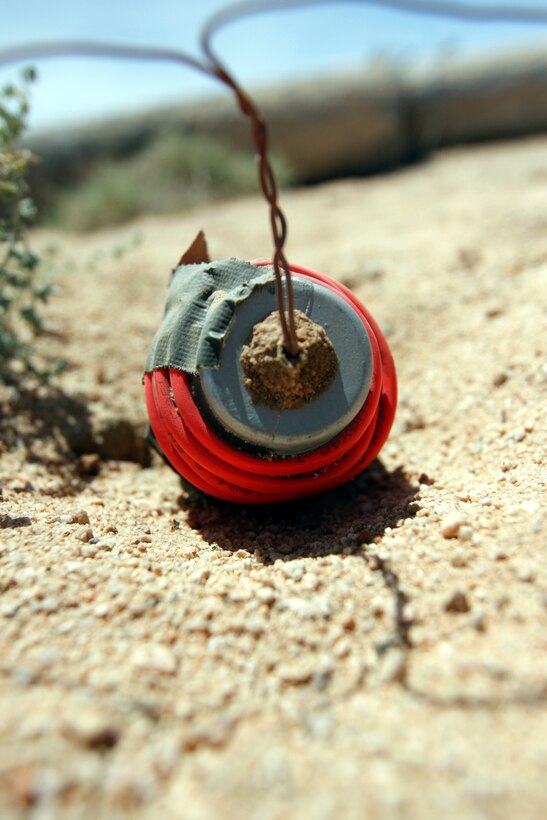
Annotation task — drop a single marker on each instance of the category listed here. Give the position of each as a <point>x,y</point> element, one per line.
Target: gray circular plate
<point>306,428</point>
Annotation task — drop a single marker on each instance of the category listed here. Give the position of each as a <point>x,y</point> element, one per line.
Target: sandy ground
<point>378,652</point>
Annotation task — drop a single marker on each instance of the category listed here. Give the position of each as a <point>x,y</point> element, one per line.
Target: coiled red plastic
<point>196,451</point>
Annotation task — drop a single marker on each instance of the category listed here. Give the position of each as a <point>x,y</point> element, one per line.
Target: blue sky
<point>261,50</point>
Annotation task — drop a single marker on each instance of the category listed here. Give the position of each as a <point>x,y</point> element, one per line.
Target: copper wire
<point>278,221</point>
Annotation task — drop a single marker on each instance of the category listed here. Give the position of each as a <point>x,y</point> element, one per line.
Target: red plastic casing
<point>209,462</point>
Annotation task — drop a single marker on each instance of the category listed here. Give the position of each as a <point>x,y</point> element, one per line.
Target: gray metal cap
<point>222,389</point>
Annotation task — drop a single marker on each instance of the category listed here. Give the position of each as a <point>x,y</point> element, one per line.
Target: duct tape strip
<point>201,302</point>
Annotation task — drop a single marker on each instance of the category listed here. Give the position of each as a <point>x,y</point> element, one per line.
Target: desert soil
<point>377,652</point>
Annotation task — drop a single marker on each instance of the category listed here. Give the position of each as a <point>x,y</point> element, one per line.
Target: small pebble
<point>90,727</point>
<point>393,665</point>
<point>459,559</point>
<point>79,517</point>
<point>294,570</point>
<point>89,464</point>
<point>378,607</point>
<point>478,621</point>
<point>452,523</point>
<point>500,378</point>
<point>48,604</point>
<point>266,595</point>
<point>84,534</point>
<point>457,602</point>
<point>103,545</point>
<point>526,573</point>
<point>154,657</point>
<point>296,673</point>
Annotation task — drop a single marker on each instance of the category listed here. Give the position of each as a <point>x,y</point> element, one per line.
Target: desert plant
<point>21,292</point>
<point>174,171</point>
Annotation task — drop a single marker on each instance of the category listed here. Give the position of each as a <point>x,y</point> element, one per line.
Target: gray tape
<point>200,307</point>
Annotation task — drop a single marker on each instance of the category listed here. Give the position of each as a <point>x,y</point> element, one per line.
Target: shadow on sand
<point>56,428</point>
<point>50,424</point>
<point>339,521</point>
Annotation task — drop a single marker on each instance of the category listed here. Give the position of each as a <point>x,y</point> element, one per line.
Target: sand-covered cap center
<point>279,381</point>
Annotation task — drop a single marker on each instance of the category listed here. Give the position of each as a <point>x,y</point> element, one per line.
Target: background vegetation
<point>22,289</point>
<point>174,171</point>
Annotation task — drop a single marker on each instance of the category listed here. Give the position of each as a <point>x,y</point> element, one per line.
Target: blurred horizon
<point>265,49</point>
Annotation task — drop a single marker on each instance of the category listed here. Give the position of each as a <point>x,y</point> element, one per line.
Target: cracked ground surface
<point>378,652</point>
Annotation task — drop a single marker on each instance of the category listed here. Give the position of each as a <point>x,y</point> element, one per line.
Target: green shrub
<point>21,292</point>
<point>174,171</point>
